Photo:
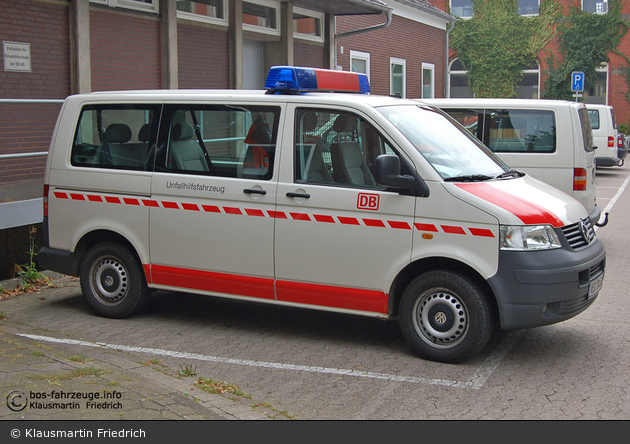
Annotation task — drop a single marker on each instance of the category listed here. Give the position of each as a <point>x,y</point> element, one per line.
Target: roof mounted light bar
<point>295,79</point>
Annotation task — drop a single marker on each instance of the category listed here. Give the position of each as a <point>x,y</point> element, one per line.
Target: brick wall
<point>125,50</point>
<point>26,128</point>
<point>203,55</point>
<point>403,38</point>
<point>306,54</point>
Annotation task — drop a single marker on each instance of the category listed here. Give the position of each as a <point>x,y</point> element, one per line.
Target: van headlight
<point>529,237</point>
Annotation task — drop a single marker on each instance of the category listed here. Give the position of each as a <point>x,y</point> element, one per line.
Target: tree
<point>498,43</point>
<point>585,40</point>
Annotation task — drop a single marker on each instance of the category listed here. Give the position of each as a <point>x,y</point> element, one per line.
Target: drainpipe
<point>447,80</point>
<point>388,13</point>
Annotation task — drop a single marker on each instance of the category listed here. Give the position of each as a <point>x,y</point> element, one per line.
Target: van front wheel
<point>445,317</point>
<point>113,281</point>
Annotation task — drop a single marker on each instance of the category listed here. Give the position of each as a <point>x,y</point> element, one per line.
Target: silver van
<point>550,140</point>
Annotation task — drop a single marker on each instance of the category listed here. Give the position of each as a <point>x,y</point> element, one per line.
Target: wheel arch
<point>96,237</point>
<point>416,268</point>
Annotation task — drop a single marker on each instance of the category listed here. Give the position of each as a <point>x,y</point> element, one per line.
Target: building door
<point>253,64</point>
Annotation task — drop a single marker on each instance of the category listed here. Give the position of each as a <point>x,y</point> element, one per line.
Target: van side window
<point>217,140</point>
<point>115,136</point>
<point>470,119</point>
<point>336,148</point>
<point>593,114</point>
<point>514,131</point>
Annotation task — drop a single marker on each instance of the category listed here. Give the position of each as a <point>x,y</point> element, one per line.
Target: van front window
<point>447,146</point>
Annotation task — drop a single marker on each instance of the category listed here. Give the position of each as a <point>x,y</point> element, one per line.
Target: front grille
<point>575,233</point>
<point>574,305</point>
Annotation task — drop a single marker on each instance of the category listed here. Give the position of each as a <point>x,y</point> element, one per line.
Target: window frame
<point>604,2</point>
<point>204,18</point>
<point>398,62</point>
<point>137,5</point>
<point>430,67</point>
<point>313,14</point>
<point>359,55</point>
<point>275,5</point>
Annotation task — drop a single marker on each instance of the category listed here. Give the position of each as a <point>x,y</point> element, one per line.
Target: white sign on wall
<point>17,56</point>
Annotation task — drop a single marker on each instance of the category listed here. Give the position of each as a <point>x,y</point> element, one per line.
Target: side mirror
<point>387,173</point>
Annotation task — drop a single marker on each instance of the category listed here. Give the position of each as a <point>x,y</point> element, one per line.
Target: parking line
<point>476,381</point>
<point>615,197</point>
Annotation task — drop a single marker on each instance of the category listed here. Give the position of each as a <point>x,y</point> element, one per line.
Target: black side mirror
<point>387,173</point>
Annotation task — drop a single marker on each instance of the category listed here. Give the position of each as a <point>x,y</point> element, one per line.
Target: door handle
<point>299,195</point>
<point>251,191</point>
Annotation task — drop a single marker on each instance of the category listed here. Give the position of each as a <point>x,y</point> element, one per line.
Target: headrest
<point>145,131</point>
<point>118,133</point>
<point>345,123</point>
<point>259,133</point>
<point>309,122</point>
<point>182,131</point>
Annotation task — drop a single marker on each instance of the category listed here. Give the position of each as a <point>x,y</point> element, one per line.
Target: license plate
<point>595,286</point>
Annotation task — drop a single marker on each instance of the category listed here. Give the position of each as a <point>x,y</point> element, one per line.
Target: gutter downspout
<point>447,73</point>
<point>388,22</point>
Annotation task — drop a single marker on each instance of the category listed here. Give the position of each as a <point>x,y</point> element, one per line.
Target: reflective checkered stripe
<point>254,212</point>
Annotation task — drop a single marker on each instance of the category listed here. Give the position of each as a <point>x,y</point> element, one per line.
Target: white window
<point>459,80</point>
<point>308,25</point>
<point>462,8</point>
<point>398,77</point>
<point>262,16</point>
<point>360,62</point>
<point>528,7</point>
<point>428,81</point>
<point>528,86</point>
<point>595,6</point>
<point>139,5</point>
<point>210,11</point>
<point>598,92</point>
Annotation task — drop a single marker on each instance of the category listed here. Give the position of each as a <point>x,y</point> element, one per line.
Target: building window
<point>462,8</point>
<point>261,16</point>
<point>360,62</point>
<point>308,25</point>
<point>528,87</point>
<point>428,81</point>
<point>598,92</point>
<point>140,5</point>
<point>459,81</point>
<point>212,11</point>
<point>528,7</point>
<point>595,6</point>
<point>398,77</point>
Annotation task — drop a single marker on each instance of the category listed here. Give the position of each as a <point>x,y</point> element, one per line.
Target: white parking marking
<point>476,381</point>
<point>615,197</point>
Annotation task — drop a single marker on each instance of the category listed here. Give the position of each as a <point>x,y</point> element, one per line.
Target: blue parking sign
<point>577,81</point>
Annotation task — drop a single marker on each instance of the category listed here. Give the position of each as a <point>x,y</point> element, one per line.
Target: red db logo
<point>368,202</point>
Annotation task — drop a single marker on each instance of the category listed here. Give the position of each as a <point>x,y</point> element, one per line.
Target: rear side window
<point>115,136</point>
<point>219,140</point>
<point>587,132</point>
<point>593,115</point>
<point>520,131</point>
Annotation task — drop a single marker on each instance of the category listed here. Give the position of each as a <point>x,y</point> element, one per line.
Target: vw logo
<point>584,231</point>
<point>109,281</point>
<point>440,318</point>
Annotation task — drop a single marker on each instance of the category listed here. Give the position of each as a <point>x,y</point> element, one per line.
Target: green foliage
<point>498,43</point>
<point>585,40</point>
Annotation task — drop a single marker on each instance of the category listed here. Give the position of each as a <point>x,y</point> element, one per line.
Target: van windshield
<point>448,147</point>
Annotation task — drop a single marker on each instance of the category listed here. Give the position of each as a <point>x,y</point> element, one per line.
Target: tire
<point>113,281</point>
<point>445,317</point>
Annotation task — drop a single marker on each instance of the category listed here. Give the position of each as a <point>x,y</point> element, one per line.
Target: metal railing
<point>29,102</point>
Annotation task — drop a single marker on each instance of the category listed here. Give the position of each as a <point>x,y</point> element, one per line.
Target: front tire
<point>113,281</point>
<point>445,317</point>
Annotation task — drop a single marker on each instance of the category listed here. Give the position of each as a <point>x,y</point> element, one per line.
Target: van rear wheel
<point>113,281</point>
<point>445,317</point>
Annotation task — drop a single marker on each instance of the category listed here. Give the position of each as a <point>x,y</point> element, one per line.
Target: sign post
<point>577,84</point>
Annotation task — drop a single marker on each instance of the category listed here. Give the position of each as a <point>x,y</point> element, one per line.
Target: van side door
<point>339,238</point>
<point>213,197</point>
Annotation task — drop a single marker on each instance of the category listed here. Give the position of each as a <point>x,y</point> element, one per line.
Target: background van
<point>605,135</point>
<point>551,140</point>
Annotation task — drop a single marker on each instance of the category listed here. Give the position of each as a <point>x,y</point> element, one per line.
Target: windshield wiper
<point>469,178</point>
<point>510,174</point>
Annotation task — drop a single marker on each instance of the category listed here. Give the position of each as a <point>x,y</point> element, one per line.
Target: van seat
<point>123,153</point>
<point>185,151</point>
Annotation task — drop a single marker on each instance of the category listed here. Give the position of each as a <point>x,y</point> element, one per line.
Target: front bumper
<point>535,288</point>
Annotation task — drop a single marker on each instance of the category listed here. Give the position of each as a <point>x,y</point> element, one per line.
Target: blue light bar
<point>293,79</point>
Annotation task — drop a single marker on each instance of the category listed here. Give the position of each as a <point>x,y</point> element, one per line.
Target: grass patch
<point>76,373</point>
<point>218,388</point>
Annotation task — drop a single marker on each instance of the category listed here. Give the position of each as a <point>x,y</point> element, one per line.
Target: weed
<point>76,373</point>
<point>187,370</point>
<point>37,353</point>
<point>31,276</point>
<point>217,388</point>
<point>78,358</point>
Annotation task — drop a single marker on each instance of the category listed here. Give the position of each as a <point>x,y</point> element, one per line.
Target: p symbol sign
<point>577,81</point>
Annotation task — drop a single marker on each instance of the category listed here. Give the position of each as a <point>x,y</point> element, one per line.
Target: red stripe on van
<point>215,282</point>
<point>453,230</point>
<point>399,225</point>
<point>190,207</point>
<point>254,212</point>
<point>349,220</point>
<point>112,199</point>
<point>131,201</point>
<point>77,196</point>
<point>59,195</point>
<point>324,218</point>
<point>170,205</point>
<point>374,223</point>
<point>481,232</point>
<point>528,212</point>
<point>94,198</point>
<point>329,296</point>
<point>211,208</point>
<point>232,210</point>
<point>300,216</point>
<point>426,227</point>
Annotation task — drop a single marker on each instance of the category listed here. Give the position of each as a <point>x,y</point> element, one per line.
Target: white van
<point>352,203</point>
<point>605,135</point>
<point>550,140</point>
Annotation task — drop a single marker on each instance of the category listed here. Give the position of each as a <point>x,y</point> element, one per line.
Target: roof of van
<point>527,103</point>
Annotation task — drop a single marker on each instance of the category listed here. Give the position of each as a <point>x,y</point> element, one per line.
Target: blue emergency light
<point>295,79</point>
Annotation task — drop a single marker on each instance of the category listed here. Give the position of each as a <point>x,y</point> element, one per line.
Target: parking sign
<point>577,81</point>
